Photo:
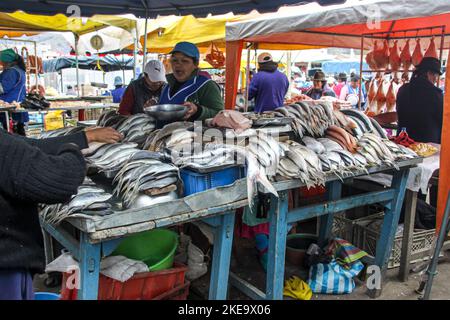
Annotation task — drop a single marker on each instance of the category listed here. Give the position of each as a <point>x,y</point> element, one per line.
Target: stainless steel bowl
<point>166,112</point>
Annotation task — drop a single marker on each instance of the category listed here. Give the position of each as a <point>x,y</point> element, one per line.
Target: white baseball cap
<point>155,71</point>
<point>265,57</point>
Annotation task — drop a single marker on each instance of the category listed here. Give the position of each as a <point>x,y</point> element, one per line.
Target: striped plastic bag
<point>332,278</point>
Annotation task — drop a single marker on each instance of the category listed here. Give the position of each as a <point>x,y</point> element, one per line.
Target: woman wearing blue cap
<point>186,86</point>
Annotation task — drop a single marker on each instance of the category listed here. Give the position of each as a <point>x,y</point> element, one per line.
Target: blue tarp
<point>333,67</point>
<point>155,7</point>
<point>107,63</point>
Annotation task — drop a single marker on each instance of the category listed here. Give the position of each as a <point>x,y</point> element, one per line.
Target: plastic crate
<point>365,232</point>
<point>195,182</point>
<point>178,293</point>
<point>142,286</point>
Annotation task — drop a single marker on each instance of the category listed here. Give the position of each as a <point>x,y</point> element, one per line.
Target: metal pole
<point>431,272</point>
<point>62,85</point>
<point>288,71</point>
<point>247,78</point>
<point>360,72</point>
<point>36,64</point>
<point>136,41</point>
<point>77,66</point>
<point>145,41</point>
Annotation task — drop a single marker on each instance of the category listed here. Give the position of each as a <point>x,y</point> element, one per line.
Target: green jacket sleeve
<point>210,100</point>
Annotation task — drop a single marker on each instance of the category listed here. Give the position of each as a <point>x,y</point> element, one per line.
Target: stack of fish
<point>173,134</point>
<point>379,151</point>
<point>60,132</point>
<point>197,157</point>
<point>301,163</point>
<point>267,151</point>
<point>136,128</point>
<point>111,157</point>
<point>343,138</point>
<point>145,172</point>
<point>111,119</point>
<point>364,124</point>
<point>309,117</point>
<point>90,200</point>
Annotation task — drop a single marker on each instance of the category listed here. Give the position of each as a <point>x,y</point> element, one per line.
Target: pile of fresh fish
<point>267,151</point>
<point>111,119</point>
<point>60,132</point>
<point>136,128</point>
<point>364,124</point>
<point>199,157</point>
<point>171,135</point>
<point>301,163</point>
<point>89,201</point>
<point>309,117</point>
<point>378,151</point>
<point>111,157</point>
<point>144,172</point>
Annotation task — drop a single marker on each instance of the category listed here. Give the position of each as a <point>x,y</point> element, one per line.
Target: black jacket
<point>31,172</point>
<point>420,107</point>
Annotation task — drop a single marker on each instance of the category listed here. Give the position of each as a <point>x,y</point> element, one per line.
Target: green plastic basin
<point>156,248</point>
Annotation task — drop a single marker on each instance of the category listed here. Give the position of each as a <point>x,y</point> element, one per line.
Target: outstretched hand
<point>105,135</point>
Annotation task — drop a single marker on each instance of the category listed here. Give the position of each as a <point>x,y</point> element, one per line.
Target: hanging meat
<point>405,56</point>
<point>391,98</point>
<point>394,57</point>
<point>369,57</point>
<point>431,51</point>
<point>381,56</point>
<point>380,97</point>
<point>417,55</point>
<point>371,109</point>
<point>372,91</point>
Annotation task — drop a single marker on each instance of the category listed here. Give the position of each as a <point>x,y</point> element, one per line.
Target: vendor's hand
<point>191,110</point>
<point>106,135</point>
<point>150,102</point>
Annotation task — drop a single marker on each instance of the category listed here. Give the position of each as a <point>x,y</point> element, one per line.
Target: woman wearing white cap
<point>144,91</point>
<point>119,90</point>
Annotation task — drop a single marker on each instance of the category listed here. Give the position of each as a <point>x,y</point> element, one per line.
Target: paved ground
<point>246,265</point>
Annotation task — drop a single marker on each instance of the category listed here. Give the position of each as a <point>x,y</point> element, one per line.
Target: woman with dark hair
<point>12,79</point>
<point>186,85</point>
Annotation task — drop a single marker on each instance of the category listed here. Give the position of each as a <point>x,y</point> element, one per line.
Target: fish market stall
<point>137,184</point>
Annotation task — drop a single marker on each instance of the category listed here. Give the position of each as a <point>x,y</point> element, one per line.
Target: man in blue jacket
<point>269,86</point>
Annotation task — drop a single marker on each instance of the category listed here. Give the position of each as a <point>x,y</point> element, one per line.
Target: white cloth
<point>419,176</point>
<point>118,268</point>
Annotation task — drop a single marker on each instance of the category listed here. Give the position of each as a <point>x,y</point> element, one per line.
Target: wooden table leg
<point>277,246</point>
<point>334,191</point>
<point>389,227</point>
<point>408,232</point>
<point>89,269</point>
<point>220,269</point>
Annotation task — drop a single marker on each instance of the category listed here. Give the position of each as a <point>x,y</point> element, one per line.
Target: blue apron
<point>117,94</point>
<point>188,88</point>
<point>13,82</point>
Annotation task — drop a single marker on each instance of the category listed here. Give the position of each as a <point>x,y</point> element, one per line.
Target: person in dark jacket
<point>420,103</point>
<point>269,86</point>
<point>31,172</point>
<point>320,87</point>
<point>144,91</point>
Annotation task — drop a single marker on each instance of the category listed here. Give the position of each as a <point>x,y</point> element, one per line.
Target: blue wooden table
<point>99,237</point>
<point>280,217</point>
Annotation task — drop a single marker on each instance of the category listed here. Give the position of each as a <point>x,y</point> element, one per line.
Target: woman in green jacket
<point>185,86</point>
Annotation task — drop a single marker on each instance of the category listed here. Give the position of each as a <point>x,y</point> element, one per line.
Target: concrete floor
<point>246,265</point>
